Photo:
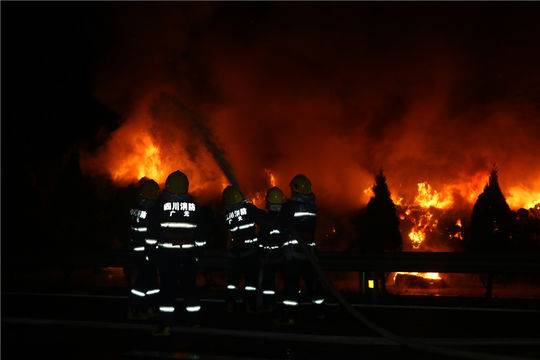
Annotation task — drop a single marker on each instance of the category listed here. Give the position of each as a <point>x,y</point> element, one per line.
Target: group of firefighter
<point>167,235</point>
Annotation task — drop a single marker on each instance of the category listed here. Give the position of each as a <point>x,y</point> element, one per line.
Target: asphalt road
<point>94,325</point>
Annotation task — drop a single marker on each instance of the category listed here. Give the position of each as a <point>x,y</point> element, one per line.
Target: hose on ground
<point>407,342</point>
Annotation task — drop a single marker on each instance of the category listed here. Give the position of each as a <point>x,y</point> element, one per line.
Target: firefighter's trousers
<point>270,262</point>
<point>144,290</point>
<point>294,268</point>
<point>243,263</point>
<point>177,265</point>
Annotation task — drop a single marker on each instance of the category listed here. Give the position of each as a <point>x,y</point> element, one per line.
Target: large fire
<point>141,149</point>
<point>423,107</point>
<point>431,216</point>
<point>143,161</point>
<point>428,197</point>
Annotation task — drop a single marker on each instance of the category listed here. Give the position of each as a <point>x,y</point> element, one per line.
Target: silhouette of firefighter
<point>142,249</point>
<point>242,219</point>
<point>273,235</point>
<point>299,215</point>
<point>178,241</point>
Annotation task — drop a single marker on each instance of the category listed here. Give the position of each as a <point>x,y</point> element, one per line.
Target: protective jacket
<point>143,227</point>
<point>178,221</point>
<point>273,233</point>
<point>299,216</point>
<point>242,219</point>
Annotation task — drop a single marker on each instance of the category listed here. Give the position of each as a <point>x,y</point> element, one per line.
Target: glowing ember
<point>458,233</point>
<point>397,200</point>
<point>427,276</point>
<point>424,222</point>
<point>417,238</point>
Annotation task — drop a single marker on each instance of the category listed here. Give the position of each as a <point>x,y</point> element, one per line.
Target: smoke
<point>205,134</point>
<point>335,93</point>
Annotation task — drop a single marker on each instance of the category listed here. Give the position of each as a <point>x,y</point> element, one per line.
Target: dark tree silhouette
<point>379,223</point>
<point>491,221</point>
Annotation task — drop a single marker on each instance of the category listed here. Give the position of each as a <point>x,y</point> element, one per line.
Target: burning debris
<point>416,279</point>
<point>428,220</point>
<point>262,117</point>
<point>433,223</point>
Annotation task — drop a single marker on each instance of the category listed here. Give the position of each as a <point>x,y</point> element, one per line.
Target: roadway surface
<point>90,324</point>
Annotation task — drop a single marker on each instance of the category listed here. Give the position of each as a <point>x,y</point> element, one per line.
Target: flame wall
<point>335,93</point>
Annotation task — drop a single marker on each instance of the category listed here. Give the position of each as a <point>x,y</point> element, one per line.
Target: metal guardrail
<point>371,267</point>
<point>446,262</point>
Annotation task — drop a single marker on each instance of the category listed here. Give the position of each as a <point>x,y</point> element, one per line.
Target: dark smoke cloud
<point>427,93</point>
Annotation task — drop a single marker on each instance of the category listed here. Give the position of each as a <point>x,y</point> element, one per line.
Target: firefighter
<point>299,215</point>
<point>178,244</point>
<point>272,238</point>
<point>144,291</point>
<point>242,218</point>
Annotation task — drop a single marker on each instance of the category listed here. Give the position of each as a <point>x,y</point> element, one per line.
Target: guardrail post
<point>362,284</point>
<point>489,286</point>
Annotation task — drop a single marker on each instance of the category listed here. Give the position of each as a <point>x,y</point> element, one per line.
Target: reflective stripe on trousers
<point>290,302</point>
<point>137,292</point>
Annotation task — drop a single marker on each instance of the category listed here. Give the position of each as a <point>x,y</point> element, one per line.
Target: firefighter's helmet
<point>177,183</point>
<point>148,189</point>
<point>301,184</point>
<point>275,196</point>
<point>232,195</point>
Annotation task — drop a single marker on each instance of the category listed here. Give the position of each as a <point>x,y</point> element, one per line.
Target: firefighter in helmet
<point>299,215</point>
<point>178,243</point>
<point>241,220</point>
<point>144,290</point>
<point>272,236</point>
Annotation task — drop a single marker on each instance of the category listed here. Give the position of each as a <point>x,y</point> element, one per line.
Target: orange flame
<point>422,225</point>
<point>522,197</point>
<point>457,234</point>
<point>428,197</point>
<point>258,199</point>
<point>135,151</point>
<point>271,177</point>
<point>397,200</point>
<point>144,161</point>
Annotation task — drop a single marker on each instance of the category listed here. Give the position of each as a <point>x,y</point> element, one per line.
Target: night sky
<point>71,73</point>
<point>61,58</point>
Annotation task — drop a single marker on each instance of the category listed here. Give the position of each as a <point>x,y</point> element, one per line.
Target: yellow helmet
<point>177,183</point>
<point>275,196</point>
<point>148,189</point>
<point>300,183</point>
<point>232,195</point>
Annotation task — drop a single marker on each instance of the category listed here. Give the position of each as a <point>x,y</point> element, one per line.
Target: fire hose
<point>407,342</point>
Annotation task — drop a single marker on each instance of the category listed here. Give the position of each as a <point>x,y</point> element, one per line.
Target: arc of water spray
<point>199,125</point>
